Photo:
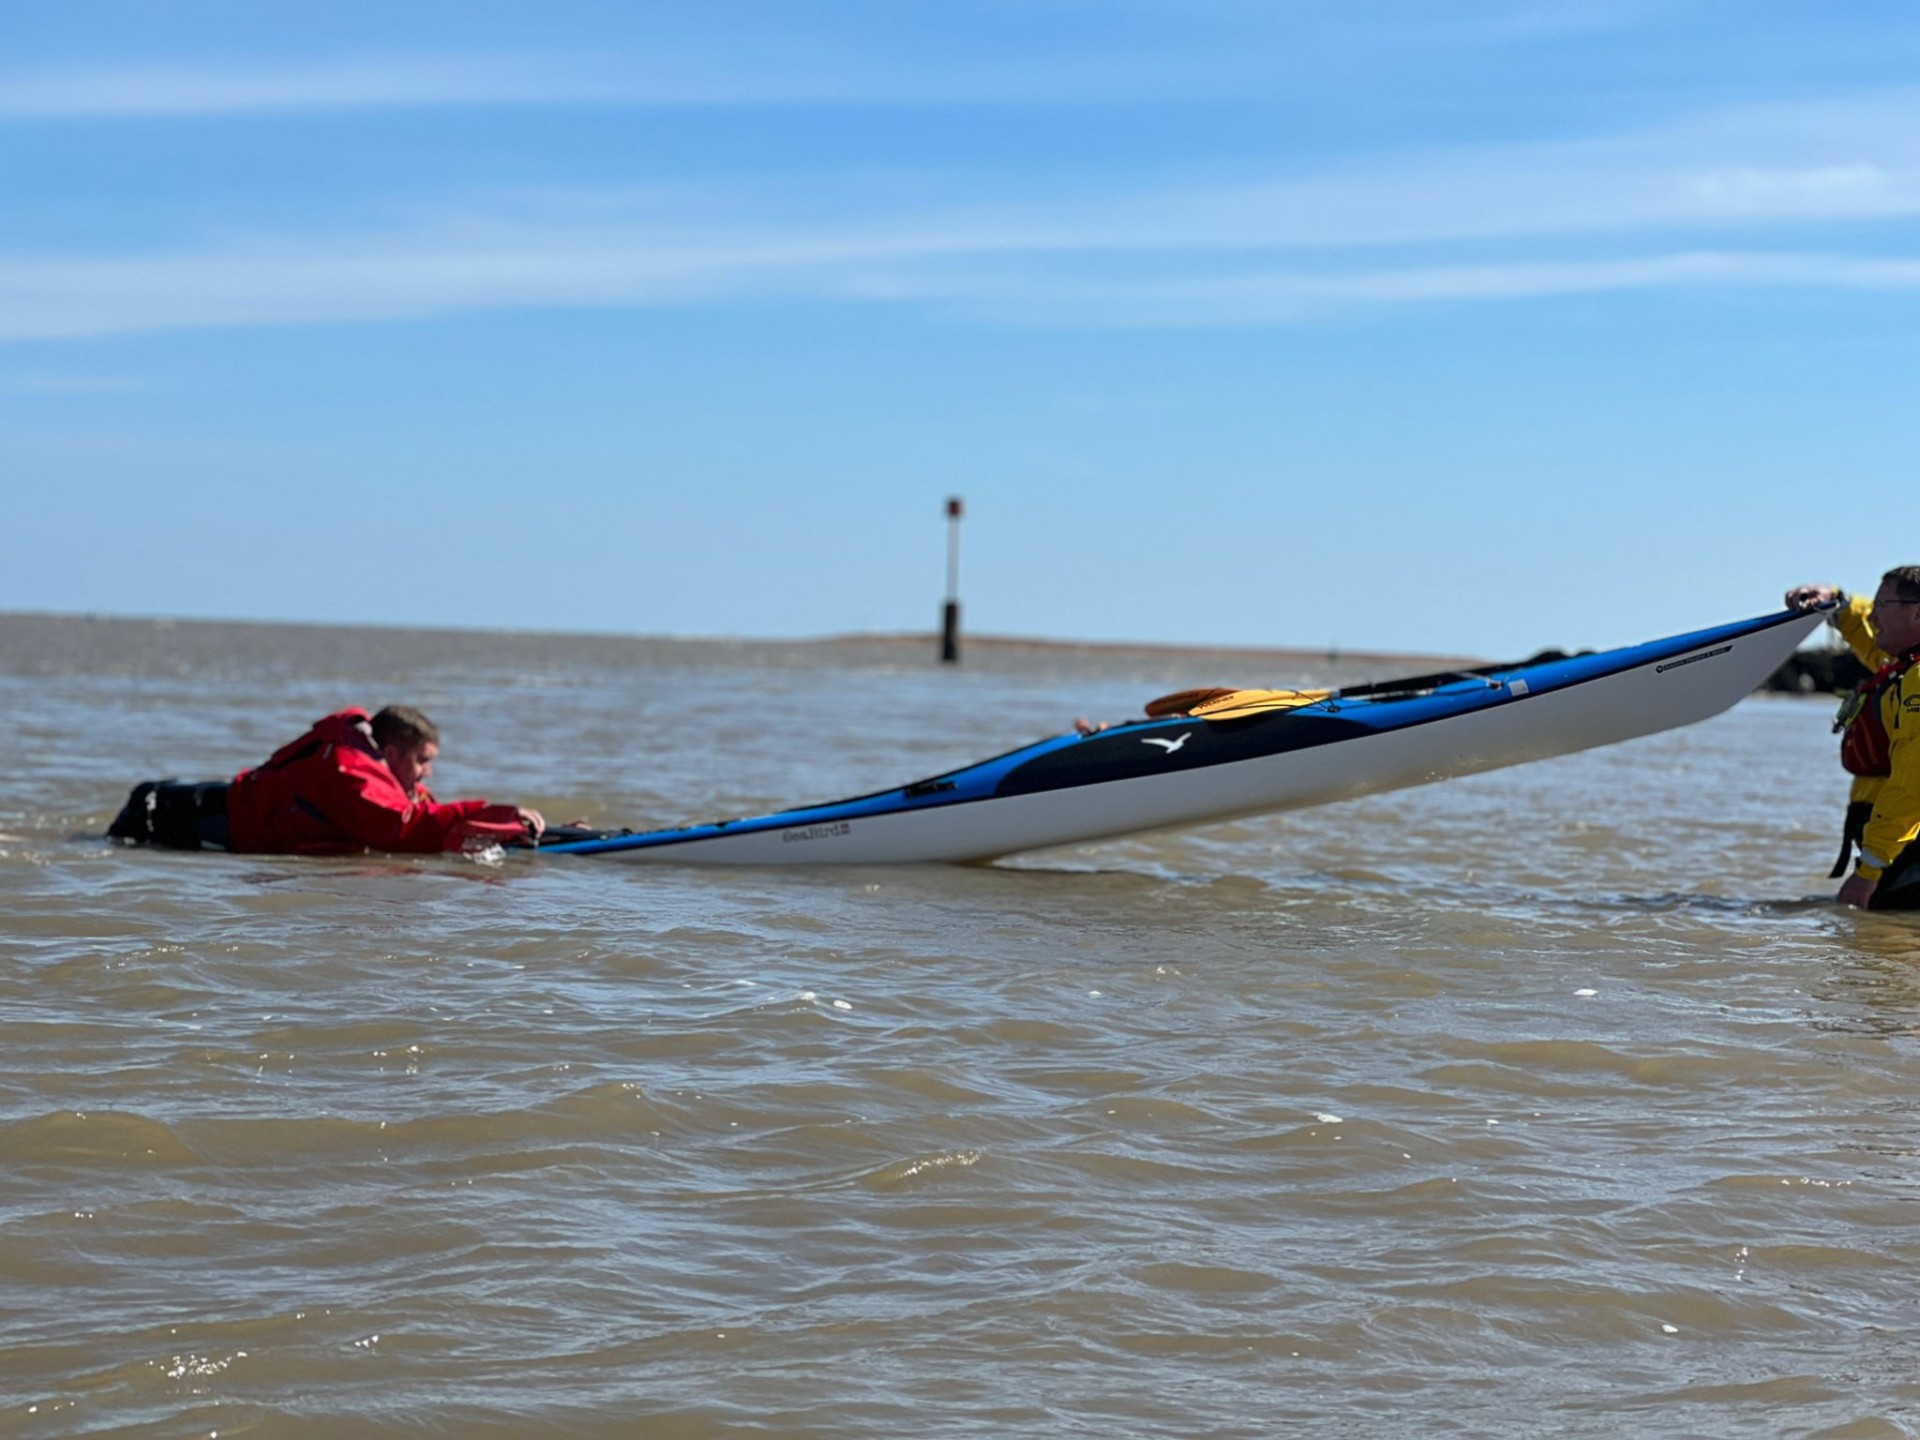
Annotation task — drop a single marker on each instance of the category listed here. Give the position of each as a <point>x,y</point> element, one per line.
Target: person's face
<point>411,764</point>
<point>1896,622</point>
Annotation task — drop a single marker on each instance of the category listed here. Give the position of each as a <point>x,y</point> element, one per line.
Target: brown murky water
<point>1538,1103</point>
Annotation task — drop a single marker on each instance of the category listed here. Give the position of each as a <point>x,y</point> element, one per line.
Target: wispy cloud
<point>747,71</point>
<point>56,383</point>
<point>148,90</point>
<point>1728,199</point>
<point>1279,297</point>
<point>743,53</point>
<point>43,300</point>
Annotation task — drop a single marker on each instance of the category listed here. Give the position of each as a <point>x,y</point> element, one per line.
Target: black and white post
<point>950,627</point>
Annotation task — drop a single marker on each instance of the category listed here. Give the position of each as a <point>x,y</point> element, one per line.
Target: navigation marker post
<point>950,627</point>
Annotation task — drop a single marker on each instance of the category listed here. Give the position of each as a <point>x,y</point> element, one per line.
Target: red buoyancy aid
<point>330,793</point>
<point>1865,747</point>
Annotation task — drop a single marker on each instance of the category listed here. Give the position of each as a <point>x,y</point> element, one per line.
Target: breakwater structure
<point>1816,672</point>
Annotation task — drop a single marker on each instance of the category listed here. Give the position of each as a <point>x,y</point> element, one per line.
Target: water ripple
<point>1508,1107</point>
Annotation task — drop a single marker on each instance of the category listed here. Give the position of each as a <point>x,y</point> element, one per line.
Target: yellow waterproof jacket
<point>1895,797</point>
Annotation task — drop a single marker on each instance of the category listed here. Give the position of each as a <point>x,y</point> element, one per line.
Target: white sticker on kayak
<point>831,831</point>
<point>1518,687</point>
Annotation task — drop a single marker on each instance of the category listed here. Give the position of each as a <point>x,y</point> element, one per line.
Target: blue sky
<point>1462,327</point>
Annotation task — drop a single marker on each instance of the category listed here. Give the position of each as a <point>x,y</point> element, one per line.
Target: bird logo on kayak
<point>1170,745</point>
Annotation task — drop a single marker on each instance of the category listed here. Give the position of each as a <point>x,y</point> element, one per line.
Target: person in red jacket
<point>352,784</point>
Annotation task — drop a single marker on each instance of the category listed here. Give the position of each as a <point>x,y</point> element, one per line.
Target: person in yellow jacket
<point>1880,741</point>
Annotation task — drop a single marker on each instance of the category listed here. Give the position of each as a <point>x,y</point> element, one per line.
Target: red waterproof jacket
<point>330,793</point>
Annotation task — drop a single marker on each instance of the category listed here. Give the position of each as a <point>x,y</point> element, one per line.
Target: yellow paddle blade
<point>1225,704</point>
<point>1181,702</point>
<point>1238,703</point>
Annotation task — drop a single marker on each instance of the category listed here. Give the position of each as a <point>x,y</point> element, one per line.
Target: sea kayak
<point>1232,754</point>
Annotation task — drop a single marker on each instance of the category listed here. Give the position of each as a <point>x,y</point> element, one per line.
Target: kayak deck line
<point>1188,769</point>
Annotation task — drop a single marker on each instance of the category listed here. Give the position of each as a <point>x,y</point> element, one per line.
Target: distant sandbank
<point>1277,655</point>
<point>905,641</point>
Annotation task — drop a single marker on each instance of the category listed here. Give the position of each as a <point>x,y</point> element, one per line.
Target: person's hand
<point>1810,597</point>
<point>1858,892</point>
<point>504,825</point>
<point>1089,727</point>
